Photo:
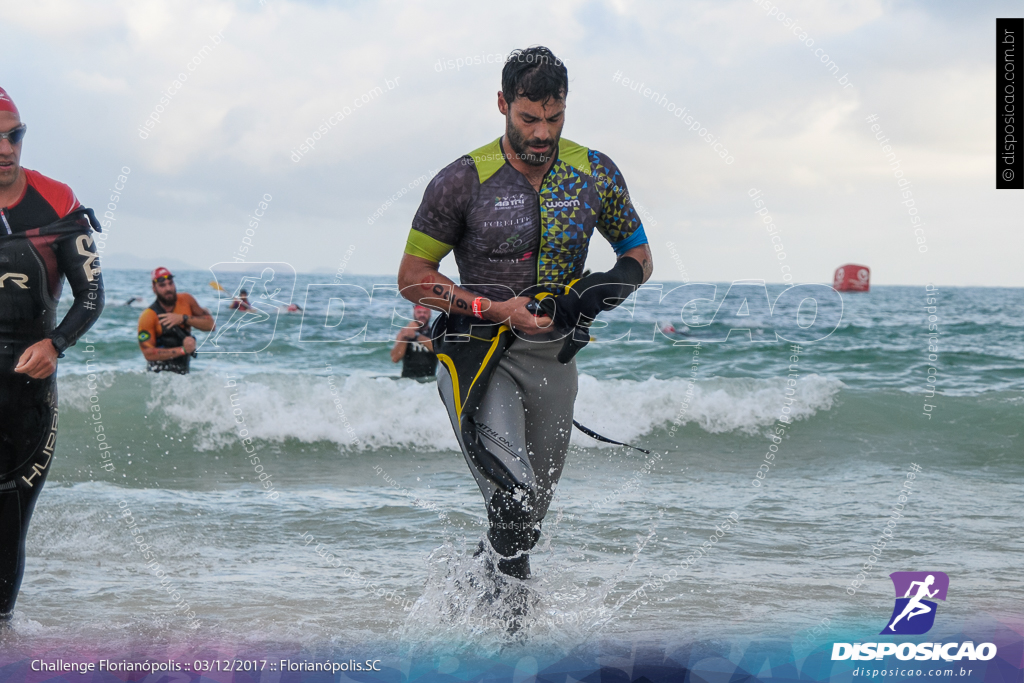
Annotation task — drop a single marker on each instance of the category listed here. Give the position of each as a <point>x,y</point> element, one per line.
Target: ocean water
<point>365,536</point>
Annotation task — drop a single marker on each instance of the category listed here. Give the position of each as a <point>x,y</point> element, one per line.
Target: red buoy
<point>852,278</point>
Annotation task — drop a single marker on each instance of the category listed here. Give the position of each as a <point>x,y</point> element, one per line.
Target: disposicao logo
<point>915,587</point>
<point>913,615</point>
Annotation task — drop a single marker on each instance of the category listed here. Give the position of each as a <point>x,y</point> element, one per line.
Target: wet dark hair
<point>534,73</point>
<point>243,292</point>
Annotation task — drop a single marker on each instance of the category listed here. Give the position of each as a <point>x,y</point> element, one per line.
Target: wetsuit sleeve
<point>78,261</point>
<point>148,332</point>
<point>441,218</point>
<point>618,221</point>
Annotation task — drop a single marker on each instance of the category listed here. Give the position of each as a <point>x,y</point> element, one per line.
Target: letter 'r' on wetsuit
<point>45,237</point>
<point>509,238</point>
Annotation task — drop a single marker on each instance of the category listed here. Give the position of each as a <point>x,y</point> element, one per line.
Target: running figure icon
<point>916,593</point>
<point>915,606</point>
<point>252,313</point>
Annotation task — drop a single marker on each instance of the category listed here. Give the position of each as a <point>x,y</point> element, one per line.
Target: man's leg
<point>26,452</point>
<point>498,459</point>
<point>549,396</point>
<point>546,390</point>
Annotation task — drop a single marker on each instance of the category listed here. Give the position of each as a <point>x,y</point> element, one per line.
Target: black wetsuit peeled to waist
<point>419,362</point>
<point>33,264</point>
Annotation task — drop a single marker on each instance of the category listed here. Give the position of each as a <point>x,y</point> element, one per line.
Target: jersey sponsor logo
<point>144,336</point>
<point>506,251</point>
<point>513,259</point>
<point>84,244</point>
<point>526,220</point>
<point>513,243</point>
<point>561,203</point>
<point>19,279</point>
<point>510,202</point>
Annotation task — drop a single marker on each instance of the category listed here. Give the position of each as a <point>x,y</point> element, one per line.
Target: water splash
<point>468,607</point>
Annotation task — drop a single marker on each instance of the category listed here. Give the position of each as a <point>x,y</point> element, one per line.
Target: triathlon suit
<point>510,239</point>
<point>153,335</point>
<point>44,238</point>
<point>419,362</point>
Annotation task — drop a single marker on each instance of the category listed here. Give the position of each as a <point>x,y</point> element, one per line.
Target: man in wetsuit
<point>414,347</point>
<point>44,238</point>
<point>519,213</point>
<point>165,328</point>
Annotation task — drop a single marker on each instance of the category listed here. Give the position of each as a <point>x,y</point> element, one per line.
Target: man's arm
<point>200,318</point>
<point>421,283</point>
<point>619,222</point>
<point>77,261</point>
<point>642,254</point>
<point>910,589</point>
<point>153,354</point>
<point>401,344</point>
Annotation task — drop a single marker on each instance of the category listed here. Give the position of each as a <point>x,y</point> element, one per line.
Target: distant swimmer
<point>293,308</point>
<point>165,327</point>
<point>519,214</point>
<point>45,237</point>
<point>915,607</point>
<point>414,348</point>
<point>132,300</point>
<point>241,302</point>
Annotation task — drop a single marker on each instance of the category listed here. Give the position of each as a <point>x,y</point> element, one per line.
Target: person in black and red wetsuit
<point>44,238</point>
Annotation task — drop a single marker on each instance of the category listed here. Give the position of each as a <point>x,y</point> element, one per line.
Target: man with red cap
<point>165,328</point>
<point>45,237</point>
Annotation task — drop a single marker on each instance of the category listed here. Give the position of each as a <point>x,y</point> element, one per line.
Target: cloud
<point>229,130</point>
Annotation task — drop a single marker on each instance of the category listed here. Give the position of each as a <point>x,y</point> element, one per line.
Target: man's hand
<point>189,344</point>
<point>514,312</point>
<point>410,333</point>
<point>39,360</point>
<point>171,319</point>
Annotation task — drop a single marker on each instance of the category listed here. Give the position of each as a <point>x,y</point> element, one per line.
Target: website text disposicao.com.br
<point>949,652</point>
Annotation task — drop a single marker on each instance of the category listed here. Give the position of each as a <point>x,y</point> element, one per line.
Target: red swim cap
<point>6,104</point>
<point>161,272</point>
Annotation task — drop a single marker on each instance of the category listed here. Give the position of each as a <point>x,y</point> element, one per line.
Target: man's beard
<point>168,299</point>
<point>520,145</point>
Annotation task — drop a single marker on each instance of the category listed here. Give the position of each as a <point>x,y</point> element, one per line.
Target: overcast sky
<point>86,75</point>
